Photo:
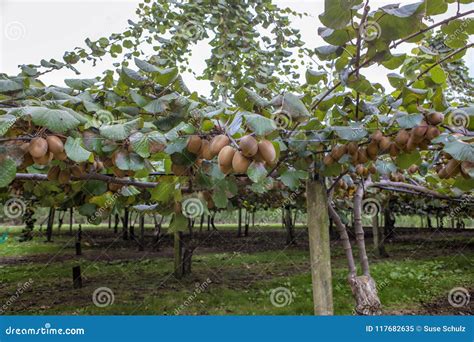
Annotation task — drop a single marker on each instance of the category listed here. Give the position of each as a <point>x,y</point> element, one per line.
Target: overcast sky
<point>37,29</point>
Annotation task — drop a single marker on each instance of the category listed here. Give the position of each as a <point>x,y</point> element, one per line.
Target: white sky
<point>35,29</point>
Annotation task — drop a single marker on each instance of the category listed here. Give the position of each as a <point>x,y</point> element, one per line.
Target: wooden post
<point>379,246</point>
<point>141,245</point>
<point>71,219</point>
<point>125,224</point>
<point>178,255</point>
<point>239,232</point>
<point>76,277</point>
<point>78,241</point>
<point>318,230</point>
<point>116,223</point>
<point>49,227</point>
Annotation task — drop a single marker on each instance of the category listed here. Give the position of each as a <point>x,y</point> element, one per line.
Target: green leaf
<point>350,133</point>
<point>294,107</point>
<point>9,85</point>
<point>6,122</point>
<point>75,151</point>
<point>438,75</point>
<point>460,150</point>
<point>260,124</point>
<point>405,160</point>
<point>337,13</point>
<point>57,120</point>
<point>247,99</point>
<point>313,77</point>
<point>178,223</point>
<point>409,120</point>
<point>145,66</point>
<point>7,172</point>
<point>166,76</point>
<point>164,191</point>
<point>385,167</point>
<point>120,131</point>
<point>80,84</point>
<point>257,172</point>
<point>219,198</point>
<point>291,178</point>
<point>129,161</point>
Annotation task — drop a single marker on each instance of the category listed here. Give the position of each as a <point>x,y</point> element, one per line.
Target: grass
<point>240,283</point>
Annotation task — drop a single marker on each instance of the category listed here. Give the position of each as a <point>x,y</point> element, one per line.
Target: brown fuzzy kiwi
<point>25,147</point>
<point>402,138</point>
<point>435,118</point>
<point>38,147</point>
<point>27,161</point>
<point>418,132</point>
<point>373,150</point>
<point>327,160</point>
<point>360,169</point>
<point>413,169</point>
<point>225,169</point>
<point>411,144</point>
<point>362,156</point>
<point>217,143</point>
<point>115,187</point>
<point>376,136</point>
<point>338,151</point>
<point>384,144</point>
<point>240,164</point>
<point>225,156</point>
<point>394,150</point>
<point>442,173</point>
<point>64,176</point>
<point>453,167</point>
<point>372,169</point>
<point>194,144</point>
<point>432,132</point>
<point>60,156</point>
<point>77,171</point>
<point>352,148</point>
<point>53,173</point>
<point>55,144</point>
<point>179,170</point>
<point>466,168</point>
<point>423,145</point>
<point>44,160</point>
<point>119,173</point>
<point>249,146</point>
<point>267,151</point>
<point>205,151</point>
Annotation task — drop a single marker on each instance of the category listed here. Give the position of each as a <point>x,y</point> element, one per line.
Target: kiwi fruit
<point>267,151</point>
<point>53,173</point>
<point>327,160</point>
<point>225,156</point>
<point>376,136</point>
<point>225,169</point>
<point>394,151</point>
<point>411,144</point>
<point>432,132</point>
<point>453,167</point>
<point>121,174</point>
<point>249,146</point>
<point>338,151</point>
<point>179,170</point>
<point>413,169</point>
<point>25,147</point>
<point>362,156</point>
<point>240,164</point>
<point>373,150</point>
<point>64,177</point>
<point>466,168</point>
<point>372,169</point>
<point>352,148</point>
<point>384,144</point>
<point>55,145</point>
<point>217,143</point>
<point>435,118</point>
<point>77,171</point>
<point>360,169</point>
<point>419,131</point>
<point>194,144</point>
<point>27,161</point>
<point>205,151</point>
<point>38,147</point>
<point>115,187</point>
<point>44,160</point>
<point>402,138</point>
<point>442,173</point>
<point>60,156</point>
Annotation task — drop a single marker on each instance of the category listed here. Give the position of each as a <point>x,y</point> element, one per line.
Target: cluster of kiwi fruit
<point>405,140</point>
<point>42,151</point>
<point>450,168</point>
<point>230,159</point>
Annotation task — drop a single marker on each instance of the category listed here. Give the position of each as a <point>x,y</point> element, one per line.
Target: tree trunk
<point>110,221</point>
<point>389,222</point>
<point>61,219</point>
<point>318,230</point>
<point>131,228</point>
<point>379,239</point>
<point>79,241</point>
<point>71,219</point>
<point>363,287</point>
<point>247,223</point>
<point>290,234</point>
<point>116,223</point>
<point>141,244</point>
<point>239,228</point>
<point>183,254</point>
<point>49,227</point>
<point>157,233</point>
<point>125,220</point>
<point>201,223</point>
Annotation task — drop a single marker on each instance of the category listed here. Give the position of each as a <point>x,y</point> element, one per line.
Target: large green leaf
<point>9,85</point>
<point>80,84</point>
<point>260,124</point>
<point>120,131</point>
<point>56,120</point>
<point>405,160</point>
<point>75,151</point>
<point>7,172</point>
<point>291,178</point>
<point>460,150</point>
<point>257,172</point>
